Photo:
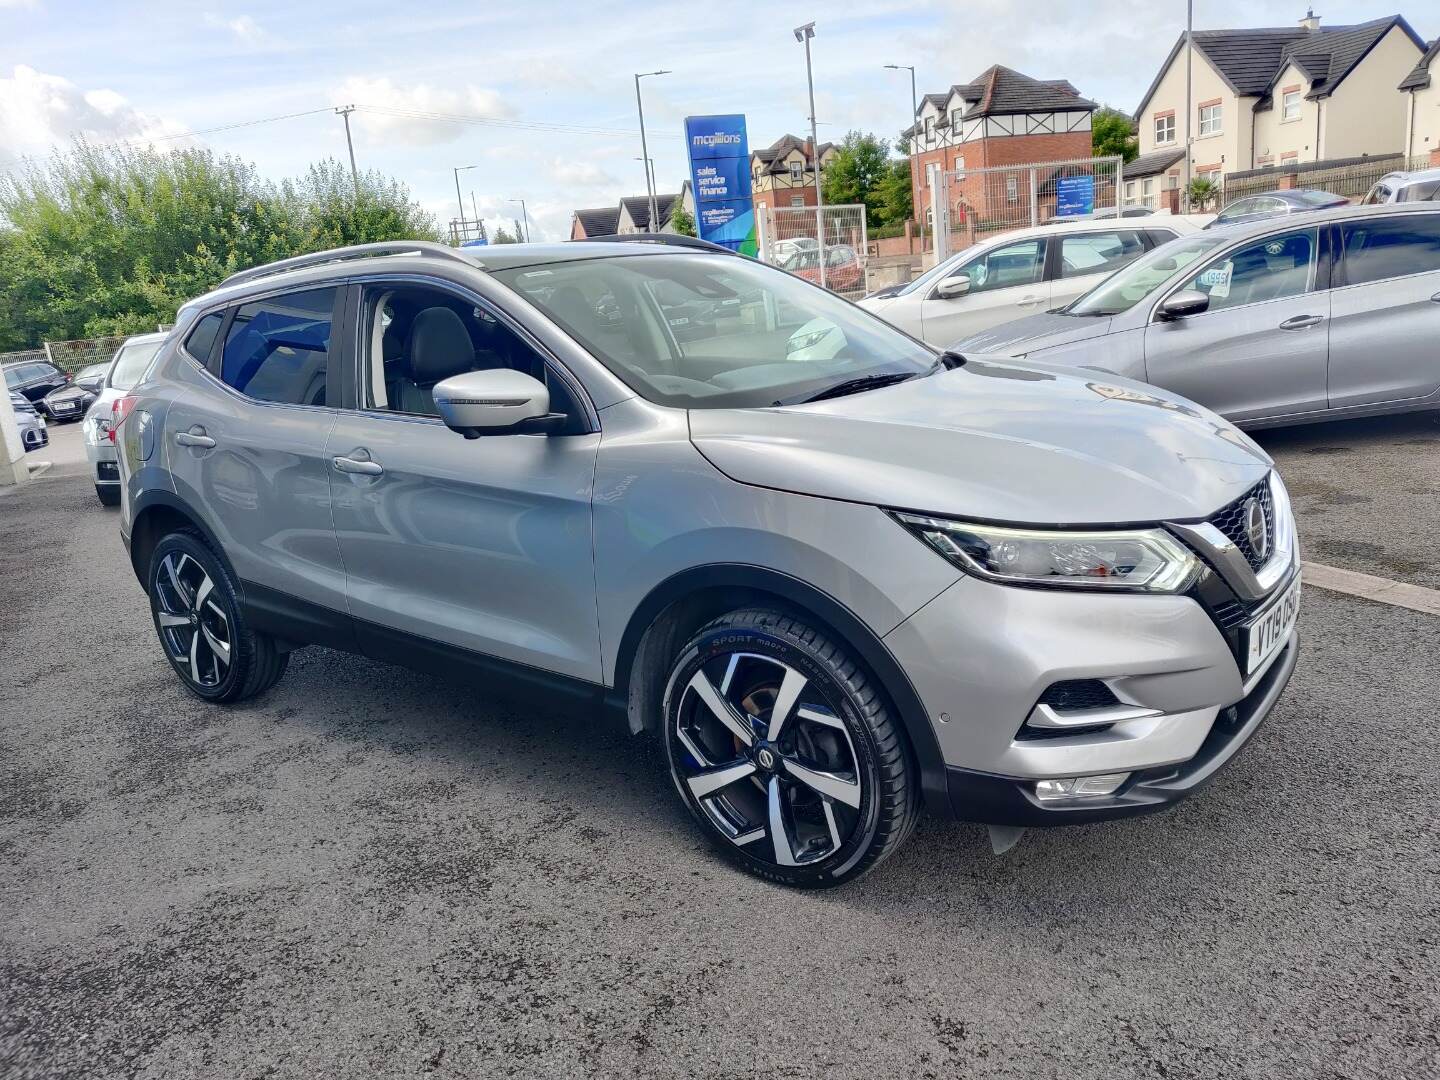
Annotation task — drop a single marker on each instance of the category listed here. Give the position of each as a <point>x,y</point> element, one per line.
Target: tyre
<point>108,494</point>
<point>201,628</point>
<point>785,751</point>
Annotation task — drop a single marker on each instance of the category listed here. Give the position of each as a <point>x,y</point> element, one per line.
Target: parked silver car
<point>30,423</point>
<point>1334,315</point>
<point>118,376</point>
<point>1419,186</point>
<point>838,583</point>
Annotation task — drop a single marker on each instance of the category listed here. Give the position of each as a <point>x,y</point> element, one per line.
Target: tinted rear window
<point>1394,247</point>
<point>202,339</point>
<point>278,349</point>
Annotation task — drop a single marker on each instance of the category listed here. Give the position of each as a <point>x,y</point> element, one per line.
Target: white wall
<point>1276,137</point>
<point>1231,147</point>
<point>1366,114</point>
<point>1424,127</point>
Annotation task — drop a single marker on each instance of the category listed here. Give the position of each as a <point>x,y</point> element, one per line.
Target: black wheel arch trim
<point>870,649</point>
<point>153,498</point>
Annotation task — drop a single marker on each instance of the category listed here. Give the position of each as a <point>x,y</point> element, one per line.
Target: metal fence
<point>827,246</point>
<point>967,205</point>
<point>1350,177</point>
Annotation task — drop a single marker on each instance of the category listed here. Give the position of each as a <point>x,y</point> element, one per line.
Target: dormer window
<point>955,118</point>
<point>797,170</point>
<point>929,129</point>
<point>1290,105</point>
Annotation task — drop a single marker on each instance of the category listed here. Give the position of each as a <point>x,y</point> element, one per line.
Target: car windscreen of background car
<point>1129,285</point>
<point>132,363</point>
<point>714,331</point>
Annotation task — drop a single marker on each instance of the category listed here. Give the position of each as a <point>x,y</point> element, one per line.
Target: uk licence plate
<point>1270,631</point>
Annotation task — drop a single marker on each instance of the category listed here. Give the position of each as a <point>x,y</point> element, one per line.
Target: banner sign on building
<point>1074,195</point>
<point>720,180</point>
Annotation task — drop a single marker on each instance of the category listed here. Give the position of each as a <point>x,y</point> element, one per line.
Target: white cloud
<point>412,130</point>
<point>39,111</point>
<point>580,174</point>
<point>243,28</point>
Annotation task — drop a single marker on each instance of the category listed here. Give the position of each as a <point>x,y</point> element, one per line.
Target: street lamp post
<point>458,170</point>
<point>524,216</point>
<point>909,146</point>
<point>803,34</point>
<point>640,108</point>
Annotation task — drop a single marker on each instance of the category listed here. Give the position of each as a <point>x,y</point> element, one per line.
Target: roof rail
<point>670,239</point>
<point>344,254</point>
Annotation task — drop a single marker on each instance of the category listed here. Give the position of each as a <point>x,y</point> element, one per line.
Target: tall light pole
<point>644,150</point>
<point>1189,118</point>
<point>525,216</point>
<point>909,146</point>
<point>458,170</point>
<point>803,34</point>
<point>649,172</point>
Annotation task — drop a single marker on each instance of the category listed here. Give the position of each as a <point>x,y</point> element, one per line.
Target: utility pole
<point>803,34</point>
<point>526,215</point>
<point>1189,117</point>
<point>345,111</point>
<point>644,150</point>
<point>910,147</point>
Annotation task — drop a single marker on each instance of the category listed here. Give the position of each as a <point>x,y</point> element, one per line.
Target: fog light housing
<point>1079,787</point>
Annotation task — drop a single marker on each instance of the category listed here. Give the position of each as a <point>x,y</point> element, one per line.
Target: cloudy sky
<point>544,88</point>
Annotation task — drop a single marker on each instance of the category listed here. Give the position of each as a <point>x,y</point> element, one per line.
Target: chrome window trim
<point>1310,289</point>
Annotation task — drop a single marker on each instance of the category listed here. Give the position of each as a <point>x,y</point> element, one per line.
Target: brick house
<point>1277,96</point>
<point>783,174</point>
<point>631,215</point>
<point>599,221</point>
<point>1003,117</point>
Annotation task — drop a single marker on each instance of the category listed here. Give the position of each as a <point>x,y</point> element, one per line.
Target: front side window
<point>1165,129</point>
<point>14,376</point>
<point>1237,210</point>
<point>133,360</point>
<point>711,331</point>
<point>1133,283</point>
<point>278,349</point>
<point>1290,108</point>
<point>1020,263</point>
<point>1390,248</point>
<point>1210,119</point>
<point>1098,253</point>
<point>1269,269</point>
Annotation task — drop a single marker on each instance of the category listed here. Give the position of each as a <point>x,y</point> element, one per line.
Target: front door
<point>1006,283</point>
<point>483,544</point>
<point>1385,311</point>
<point>1260,349</point>
<point>246,443</point>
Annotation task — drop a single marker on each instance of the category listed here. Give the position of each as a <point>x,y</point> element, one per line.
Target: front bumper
<point>981,656</point>
<point>1001,800</point>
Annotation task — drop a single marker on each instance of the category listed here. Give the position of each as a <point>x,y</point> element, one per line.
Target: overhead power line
<point>493,121</point>
<point>237,124</point>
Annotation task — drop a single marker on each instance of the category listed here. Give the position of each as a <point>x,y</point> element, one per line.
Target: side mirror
<point>499,401</point>
<point>1183,304</point>
<point>953,287</point>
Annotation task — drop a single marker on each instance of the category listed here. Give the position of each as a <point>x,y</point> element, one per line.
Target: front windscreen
<point>712,331</point>
<point>1129,285</point>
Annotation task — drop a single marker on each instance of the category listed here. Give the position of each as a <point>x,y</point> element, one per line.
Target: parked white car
<point>1420,186</point>
<point>129,363</point>
<point>1022,272</point>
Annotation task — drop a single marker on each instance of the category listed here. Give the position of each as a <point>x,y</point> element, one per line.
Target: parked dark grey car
<point>1332,315</point>
<point>1273,204</point>
<point>33,379</point>
<point>840,575</point>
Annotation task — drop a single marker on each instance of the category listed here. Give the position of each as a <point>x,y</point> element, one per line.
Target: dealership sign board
<point>720,180</point>
<point>1074,196</point>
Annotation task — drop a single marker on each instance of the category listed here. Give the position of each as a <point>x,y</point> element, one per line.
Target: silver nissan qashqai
<point>842,575</point>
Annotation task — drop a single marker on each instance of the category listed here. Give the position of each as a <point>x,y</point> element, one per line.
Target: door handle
<point>195,437</point>
<point>1300,322</point>
<point>356,466</point>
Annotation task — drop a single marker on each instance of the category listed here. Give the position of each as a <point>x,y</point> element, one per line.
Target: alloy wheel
<point>195,629</point>
<point>767,759</point>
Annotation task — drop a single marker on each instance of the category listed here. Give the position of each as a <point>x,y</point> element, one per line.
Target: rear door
<point>246,444</point>
<point>1006,282</point>
<point>1084,259</point>
<point>1260,349</point>
<point>1385,311</point>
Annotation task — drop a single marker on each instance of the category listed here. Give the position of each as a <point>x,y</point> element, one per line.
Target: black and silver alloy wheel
<point>195,630</point>
<point>784,753</point>
<point>198,619</point>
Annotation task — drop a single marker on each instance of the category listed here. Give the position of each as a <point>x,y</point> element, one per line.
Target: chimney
<point>1311,21</point>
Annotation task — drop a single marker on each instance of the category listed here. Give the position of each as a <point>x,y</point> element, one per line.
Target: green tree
<point>681,221</point>
<point>502,236</point>
<point>856,174</point>
<point>895,192</point>
<point>1202,192</point>
<point>112,240</point>
<point>1113,132</point>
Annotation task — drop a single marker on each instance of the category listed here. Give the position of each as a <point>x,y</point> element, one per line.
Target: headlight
<point>1139,560</point>
<point>798,342</point>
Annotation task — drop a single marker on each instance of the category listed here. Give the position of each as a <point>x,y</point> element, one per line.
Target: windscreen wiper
<point>856,385</point>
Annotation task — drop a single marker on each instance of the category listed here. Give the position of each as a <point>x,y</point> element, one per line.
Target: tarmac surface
<point>373,873</point>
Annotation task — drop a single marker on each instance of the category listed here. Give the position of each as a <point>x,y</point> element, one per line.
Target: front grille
<point>1231,522</point>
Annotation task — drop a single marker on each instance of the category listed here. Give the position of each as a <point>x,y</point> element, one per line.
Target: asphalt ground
<point>374,873</point>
